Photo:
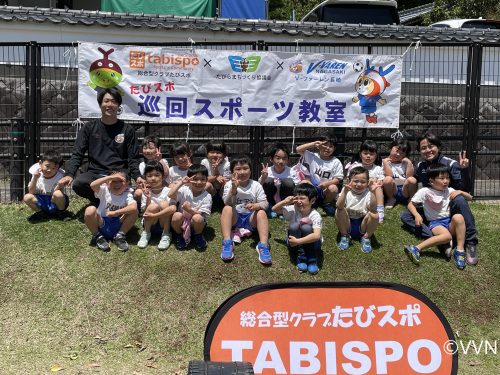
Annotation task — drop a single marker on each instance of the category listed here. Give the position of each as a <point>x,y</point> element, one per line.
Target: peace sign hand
<point>264,173</point>
<point>463,162</point>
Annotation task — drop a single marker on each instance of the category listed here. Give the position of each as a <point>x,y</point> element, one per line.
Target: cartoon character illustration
<point>104,73</point>
<point>369,86</point>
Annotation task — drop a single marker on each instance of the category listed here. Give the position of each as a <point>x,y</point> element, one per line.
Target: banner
<point>256,9</point>
<point>196,8</point>
<point>332,328</point>
<point>242,88</point>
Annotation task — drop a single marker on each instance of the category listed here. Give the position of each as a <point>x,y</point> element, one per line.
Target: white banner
<point>242,88</point>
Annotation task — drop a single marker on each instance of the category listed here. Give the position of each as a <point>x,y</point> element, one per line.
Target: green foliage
<point>448,9</point>
<point>282,9</point>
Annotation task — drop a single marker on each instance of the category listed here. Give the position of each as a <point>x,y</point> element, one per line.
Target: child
<point>325,170</point>
<point>181,153</point>
<point>158,208</point>
<point>45,196</point>
<point>399,184</point>
<point>436,200</point>
<point>304,231</point>
<point>116,213</point>
<point>277,179</point>
<point>367,157</point>
<point>219,171</point>
<point>195,205</point>
<point>356,215</point>
<point>245,210</point>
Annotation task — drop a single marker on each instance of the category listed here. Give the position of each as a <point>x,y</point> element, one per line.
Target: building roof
<point>389,33</point>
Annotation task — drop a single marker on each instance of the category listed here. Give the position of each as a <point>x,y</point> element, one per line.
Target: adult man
<point>111,145</point>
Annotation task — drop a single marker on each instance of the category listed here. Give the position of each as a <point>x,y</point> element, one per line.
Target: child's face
<point>303,204</point>
<point>183,161</point>
<point>280,160</point>
<point>154,179</point>
<point>359,182</point>
<point>150,151</point>
<point>198,183</point>
<point>48,168</point>
<point>215,156</point>
<point>242,172</point>
<point>396,155</point>
<point>368,157</point>
<point>428,151</point>
<point>326,150</point>
<point>118,186</point>
<point>441,182</point>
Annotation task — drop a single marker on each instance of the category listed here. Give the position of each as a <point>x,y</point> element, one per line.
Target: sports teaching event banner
<point>242,88</point>
<point>333,328</point>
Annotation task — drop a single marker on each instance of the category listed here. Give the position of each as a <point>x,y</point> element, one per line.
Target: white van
<point>379,12</point>
<point>476,23</point>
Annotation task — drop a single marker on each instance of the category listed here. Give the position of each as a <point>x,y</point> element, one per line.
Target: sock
<point>380,211</point>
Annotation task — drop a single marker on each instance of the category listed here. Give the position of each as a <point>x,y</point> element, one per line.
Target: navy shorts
<point>356,228</point>
<point>110,227</point>
<point>443,222</point>
<point>400,198</point>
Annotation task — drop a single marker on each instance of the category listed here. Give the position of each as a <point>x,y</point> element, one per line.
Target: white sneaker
<point>144,240</point>
<point>164,241</point>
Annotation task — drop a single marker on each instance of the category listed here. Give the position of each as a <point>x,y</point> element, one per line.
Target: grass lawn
<point>66,304</point>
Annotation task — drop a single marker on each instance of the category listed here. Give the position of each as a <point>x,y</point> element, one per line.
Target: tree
<point>446,9</point>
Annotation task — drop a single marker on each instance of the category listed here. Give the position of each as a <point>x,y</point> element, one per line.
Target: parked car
<point>477,23</point>
<point>380,12</point>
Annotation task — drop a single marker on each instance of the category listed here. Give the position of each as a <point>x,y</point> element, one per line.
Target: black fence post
<point>18,159</point>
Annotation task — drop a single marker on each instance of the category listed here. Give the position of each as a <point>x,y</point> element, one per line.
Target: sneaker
<point>329,209</point>
<point>200,241</point>
<point>180,242</point>
<point>120,241</point>
<point>471,254</point>
<point>227,253</point>
<point>144,240</point>
<point>391,202</point>
<point>264,253</point>
<point>312,266</point>
<point>271,214</point>
<point>164,241</point>
<point>62,215</point>
<point>366,245</point>
<point>344,243</point>
<point>459,258</point>
<point>38,216</point>
<point>413,253</point>
<point>101,242</point>
<point>301,261</point>
<point>236,238</point>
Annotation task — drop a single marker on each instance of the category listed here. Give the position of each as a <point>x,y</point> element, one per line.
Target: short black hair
<point>216,146</point>
<point>433,139</point>
<point>358,170</point>
<point>194,169</point>
<point>368,145</point>
<point>275,147</point>
<point>305,189</point>
<point>180,148</point>
<point>153,165</point>
<point>52,156</point>
<point>330,138</point>
<point>151,139</point>
<point>121,170</point>
<point>436,169</point>
<point>240,159</point>
<point>111,91</point>
<point>402,144</point>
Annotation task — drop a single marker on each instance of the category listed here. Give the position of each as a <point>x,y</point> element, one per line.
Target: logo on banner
<point>240,64</point>
<point>140,60</point>
<point>327,67</point>
<point>296,67</point>
<point>332,328</point>
<point>104,73</point>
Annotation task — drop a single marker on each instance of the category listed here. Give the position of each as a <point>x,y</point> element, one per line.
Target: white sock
<point>380,211</point>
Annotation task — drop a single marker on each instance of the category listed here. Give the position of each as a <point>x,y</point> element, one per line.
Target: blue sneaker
<point>344,243</point>
<point>366,245</point>
<point>301,261</point>
<point>459,258</point>
<point>200,241</point>
<point>271,214</point>
<point>413,253</point>
<point>264,253</point>
<point>312,266</point>
<point>227,253</point>
<point>329,209</point>
<point>180,242</point>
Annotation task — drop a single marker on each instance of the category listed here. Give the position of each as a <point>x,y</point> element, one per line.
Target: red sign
<point>332,328</point>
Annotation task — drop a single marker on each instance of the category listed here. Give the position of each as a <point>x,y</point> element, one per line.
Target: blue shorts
<point>356,228</point>
<point>400,198</point>
<point>110,227</point>
<point>243,221</point>
<point>44,202</point>
<point>443,222</point>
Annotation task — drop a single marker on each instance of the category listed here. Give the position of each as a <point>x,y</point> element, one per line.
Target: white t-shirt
<point>162,196</point>
<point>224,167</point>
<point>271,172</point>
<point>375,172</point>
<point>46,186</point>
<point>292,215</point>
<point>436,203</point>
<point>175,174</point>
<point>252,193</point>
<point>398,172</point>
<point>112,202</point>
<point>322,170</point>
<point>201,203</point>
<point>358,205</point>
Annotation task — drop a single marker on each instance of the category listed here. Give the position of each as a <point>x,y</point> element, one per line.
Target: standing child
<point>436,203</point>
<point>195,205</point>
<point>325,170</point>
<point>45,196</point>
<point>367,157</point>
<point>245,210</point>
<point>399,183</point>
<point>277,179</point>
<point>304,231</point>
<point>158,208</point>
<point>356,215</point>
<point>181,153</point>
<point>116,213</point>
<point>219,170</point>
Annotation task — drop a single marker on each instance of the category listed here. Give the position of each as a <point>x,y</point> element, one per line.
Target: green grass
<point>65,303</point>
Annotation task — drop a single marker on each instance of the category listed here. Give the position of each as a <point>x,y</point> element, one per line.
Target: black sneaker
<point>120,241</point>
<point>62,215</point>
<point>38,216</point>
<point>101,242</point>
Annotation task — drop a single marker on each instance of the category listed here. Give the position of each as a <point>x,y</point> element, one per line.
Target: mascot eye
<point>366,82</point>
<point>110,65</point>
<point>99,63</point>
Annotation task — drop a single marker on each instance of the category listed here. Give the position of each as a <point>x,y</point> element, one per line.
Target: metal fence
<point>450,89</point>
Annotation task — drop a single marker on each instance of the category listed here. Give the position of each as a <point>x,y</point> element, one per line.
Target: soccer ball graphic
<point>357,66</point>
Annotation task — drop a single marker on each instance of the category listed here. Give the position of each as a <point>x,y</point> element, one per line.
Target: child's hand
<point>186,180</point>
<point>293,241</point>
<point>289,200</point>
<point>146,191</point>
<point>418,220</point>
<point>38,173</point>
<point>347,185</point>
<point>186,206</point>
<point>234,183</point>
<point>157,155</point>
<point>118,177</point>
<point>264,173</point>
<point>111,214</point>
<point>374,184</point>
<point>221,180</point>
<point>252,206</point>
<point>149,214</point>
<point>455,194</point>
<point>463,162</point>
